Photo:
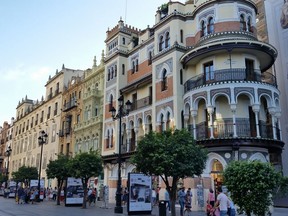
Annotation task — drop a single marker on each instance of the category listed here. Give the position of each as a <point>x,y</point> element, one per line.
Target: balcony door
<point>252,122</point>
<point>249,64</point>
<point>209,71</point>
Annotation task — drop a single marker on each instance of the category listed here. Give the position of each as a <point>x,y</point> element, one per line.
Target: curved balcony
<point>246,135</point>
<point>234,74</point>
<point>225,130</point>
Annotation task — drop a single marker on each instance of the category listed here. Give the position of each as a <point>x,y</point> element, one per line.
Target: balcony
<point>89,123</point>
<point>93,93</point>
<point>50,96</point>
<point>141,103</point>
<point>61,133</point>
<point>67,130</point>
<point>222,130</point>
<point>57,91</point>
<point>234,74</point>
<point>70,105</point>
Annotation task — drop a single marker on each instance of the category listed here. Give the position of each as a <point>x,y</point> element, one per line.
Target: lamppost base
<point>118,209</point>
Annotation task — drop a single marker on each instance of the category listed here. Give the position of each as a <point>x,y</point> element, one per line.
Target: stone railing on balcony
<point>225,130</point>
<point>88,123</point>
<point>92,93</point>
<point>146,101</point>
<point>234,74</point>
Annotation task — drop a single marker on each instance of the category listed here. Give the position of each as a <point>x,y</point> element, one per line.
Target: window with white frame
<point>164,81</point>
<point>245,22</point>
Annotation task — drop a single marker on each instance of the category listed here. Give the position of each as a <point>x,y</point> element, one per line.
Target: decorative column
<point>233,109</point>
<point>128,131</point>
<point>278,115</point>
<point>272,111</point>
<point>256,108</point>
<point>194,114</point>
<point>210,111</point>
<point>136,130</point>
<point>186,118</point>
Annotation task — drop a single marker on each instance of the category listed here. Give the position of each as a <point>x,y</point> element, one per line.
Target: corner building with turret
<point>199,67</point>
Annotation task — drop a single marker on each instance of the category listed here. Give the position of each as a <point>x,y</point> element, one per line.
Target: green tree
<point>58,169</point>
<point>3,178</point>
<point>171,154</point>
<point>251,184</point>
<point>25,174</point>
<point>86,165</point>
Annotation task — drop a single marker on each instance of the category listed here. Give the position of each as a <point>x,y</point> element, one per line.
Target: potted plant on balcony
<point>163,10</point>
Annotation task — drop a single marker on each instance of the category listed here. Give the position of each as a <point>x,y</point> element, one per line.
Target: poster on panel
<point>34,186</point>
<point>140,191</point>
<point>12,189</point>
<point>75,191</point>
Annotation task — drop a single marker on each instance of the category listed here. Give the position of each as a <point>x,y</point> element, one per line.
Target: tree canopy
<point>251,184</point>
<point>171,154</point>
<point>25,174</point>
<point>58,169</point>
<point>86,165</point>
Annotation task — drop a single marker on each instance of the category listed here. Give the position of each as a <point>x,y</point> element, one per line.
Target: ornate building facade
<point>200,67</point>
<point>33,117</point>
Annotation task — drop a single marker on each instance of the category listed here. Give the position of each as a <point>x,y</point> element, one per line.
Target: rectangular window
<point>209,71</point>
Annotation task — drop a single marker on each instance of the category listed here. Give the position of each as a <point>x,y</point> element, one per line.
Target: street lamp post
<point>122,111</point>
<point>8,153</point>
<point>42,139</point>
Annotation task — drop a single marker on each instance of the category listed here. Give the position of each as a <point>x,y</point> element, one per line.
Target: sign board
<point>12,189</point>
<point>75,191</point>
<point>200,196</point>
<point>140,192</point>
<point>34,186</point>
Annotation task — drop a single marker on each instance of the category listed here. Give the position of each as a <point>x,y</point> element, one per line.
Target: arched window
<point>203,29</point>
<point>164,85</point>
<point>108,75</point>
<point>181,36</point>
<point>161,43</point>
<point>111,139</point>
<point>133,67</point>
<point>115,70</point>
<point>123,69</point>
<point>107,139</point>
<point>123,41</point>
<point>168,120</point>
<point>242,23</point>
<point>136,65</point>
<point>111,102</point>
<point>167,40</point>
<point>150,58</point>
<point>181,77</point>
<point>211,25</point>
<point>249,28</point>
<point>112,72</point>
<point>162,123</point>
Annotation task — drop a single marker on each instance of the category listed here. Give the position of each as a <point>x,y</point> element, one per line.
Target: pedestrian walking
<point>167,199</point>
<point>181,198</point>
<point>222,202</point>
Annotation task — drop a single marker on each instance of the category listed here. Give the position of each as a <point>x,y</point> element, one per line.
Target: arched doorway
<point>217,173</point>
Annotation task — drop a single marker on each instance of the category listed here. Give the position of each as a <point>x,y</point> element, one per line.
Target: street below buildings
<point>8,207</point>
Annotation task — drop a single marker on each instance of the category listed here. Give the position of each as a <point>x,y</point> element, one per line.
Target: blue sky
<point>38,36</point>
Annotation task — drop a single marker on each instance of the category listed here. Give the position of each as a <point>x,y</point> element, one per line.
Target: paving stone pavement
<point>8,207</point>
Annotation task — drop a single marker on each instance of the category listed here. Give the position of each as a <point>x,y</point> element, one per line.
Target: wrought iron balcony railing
<point>234,74</point>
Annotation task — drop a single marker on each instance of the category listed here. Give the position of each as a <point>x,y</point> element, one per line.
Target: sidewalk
<point>49,208</point>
